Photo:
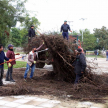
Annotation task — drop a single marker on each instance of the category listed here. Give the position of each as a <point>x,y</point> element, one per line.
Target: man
<point>95,52</point>
<point>64,28</point>
<point>10,54</point>
<point>107,55</point>
<point>31,33</point>
<point>31,62</point>
<point>79,65</point>
<point>2,58</point>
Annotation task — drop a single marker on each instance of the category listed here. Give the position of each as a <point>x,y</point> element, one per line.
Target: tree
<point>26,25</point>
<point>102,35</point>
<point>24,34</point>
<point>30,21</point>
<point>11,11</point>
<point>16,37</point>
<point>89,41</point>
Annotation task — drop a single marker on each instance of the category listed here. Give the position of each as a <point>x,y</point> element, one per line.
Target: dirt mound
<point>43,85</point>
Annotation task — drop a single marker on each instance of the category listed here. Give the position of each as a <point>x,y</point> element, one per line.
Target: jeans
<point>65,35</point>
<point>9,73</point>
<point>107,57</point>
<point>1,75</point>
<point>78,76</point>
<point>27,70</point>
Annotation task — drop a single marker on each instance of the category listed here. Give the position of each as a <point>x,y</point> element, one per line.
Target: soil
<point>44,84</point>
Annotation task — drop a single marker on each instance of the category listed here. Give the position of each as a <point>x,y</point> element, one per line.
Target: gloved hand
<point>61,33</point>
<point>10,60</point>
<point>34,62</point>
<point>29,37</point>
<point>43,42</point>
<point>9,65</point>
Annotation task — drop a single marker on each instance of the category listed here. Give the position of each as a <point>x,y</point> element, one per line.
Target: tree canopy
<point>11,11</point>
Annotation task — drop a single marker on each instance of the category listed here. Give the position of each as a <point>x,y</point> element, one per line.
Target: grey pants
<point>9,73</point>
<point>95,57</point>
<point>1,75</point>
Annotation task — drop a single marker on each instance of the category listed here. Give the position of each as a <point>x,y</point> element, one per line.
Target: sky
<point>52,13</point>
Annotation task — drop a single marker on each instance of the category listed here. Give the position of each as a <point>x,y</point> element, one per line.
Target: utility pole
<point>70,23</point>
<point>82,30</point>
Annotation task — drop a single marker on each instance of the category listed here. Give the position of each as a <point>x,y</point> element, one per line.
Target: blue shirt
<point>65,28</point>
<point>2,58</point>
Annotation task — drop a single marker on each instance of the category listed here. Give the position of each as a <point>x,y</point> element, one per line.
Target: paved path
<point>41,102</point>
<point>101,64</point>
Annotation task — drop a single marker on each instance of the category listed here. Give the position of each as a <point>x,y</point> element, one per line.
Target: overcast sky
<point>52,13</point>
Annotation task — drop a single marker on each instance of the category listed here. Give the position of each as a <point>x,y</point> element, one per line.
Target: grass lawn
<point>19,64</point>
<point>94,56</point>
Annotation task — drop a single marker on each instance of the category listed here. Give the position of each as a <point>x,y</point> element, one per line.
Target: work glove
<point>10,60</point>
<point>9,65</point>
<point>34,62</point>
<point>29,37</point>
<point>61,33</point>
<point>43,42</point>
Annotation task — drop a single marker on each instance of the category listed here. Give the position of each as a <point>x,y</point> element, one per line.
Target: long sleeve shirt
<point>2,58</point>
<point>65,28</point>
<point>31,32</point>
<point>79,64</point>
<point>11,55</point>
<point>32,56</point>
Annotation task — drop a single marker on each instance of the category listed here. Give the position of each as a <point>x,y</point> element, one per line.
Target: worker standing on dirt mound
<point>31,33</point>
<point>79,65</point>
<point>10,54</point>
<point>31,62</point>
<point>64,28</point>
<point>2,58</point>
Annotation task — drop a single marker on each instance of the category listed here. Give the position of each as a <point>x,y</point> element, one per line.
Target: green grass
<point>94,56</point>
<point>19,64</point>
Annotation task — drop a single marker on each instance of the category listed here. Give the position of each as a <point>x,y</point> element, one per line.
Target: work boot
<point>1,84</point>
<point>7,79</point>
<point>12,80</point>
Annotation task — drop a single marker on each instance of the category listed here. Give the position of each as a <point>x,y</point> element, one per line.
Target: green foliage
<point>26,26</point>
<point>102,35</point>
<point>30,21</point>
<point>24,36</point>
<point>11,11</point>
<point>89,41</point>
<point>16,37</point>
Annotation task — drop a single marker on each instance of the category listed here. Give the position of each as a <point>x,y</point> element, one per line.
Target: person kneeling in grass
<point>31,62</point>
<point>11,55</point>
<point>2,58</point>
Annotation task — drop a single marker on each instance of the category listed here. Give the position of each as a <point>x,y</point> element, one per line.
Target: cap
<point>79,50</point>
<point>10,45</point>
<point>65,21</point>
<point>32,25</point>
